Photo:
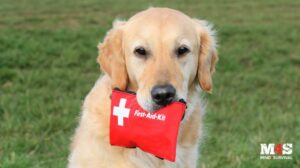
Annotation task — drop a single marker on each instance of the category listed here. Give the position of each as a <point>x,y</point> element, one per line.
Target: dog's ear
<point>208,55</point>
<point>111,56</point>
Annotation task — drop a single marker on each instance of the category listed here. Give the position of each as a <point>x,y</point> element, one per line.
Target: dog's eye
<point>140,51</point>
<point>182,51</point>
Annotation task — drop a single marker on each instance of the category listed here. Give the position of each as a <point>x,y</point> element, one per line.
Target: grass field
<point>48,64</point>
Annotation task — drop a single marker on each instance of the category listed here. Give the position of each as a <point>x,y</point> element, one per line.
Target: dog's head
<point>160,53</point>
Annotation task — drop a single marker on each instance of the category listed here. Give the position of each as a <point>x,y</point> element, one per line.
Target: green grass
<point>48,64</point>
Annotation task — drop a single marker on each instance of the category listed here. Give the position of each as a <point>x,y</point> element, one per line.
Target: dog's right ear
<point>208,55</point>
<point>111,56</point>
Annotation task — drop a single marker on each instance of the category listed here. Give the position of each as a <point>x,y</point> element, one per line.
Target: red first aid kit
<point>153,132</point>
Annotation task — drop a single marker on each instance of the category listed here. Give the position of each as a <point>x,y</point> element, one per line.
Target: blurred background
<point>48,64</point>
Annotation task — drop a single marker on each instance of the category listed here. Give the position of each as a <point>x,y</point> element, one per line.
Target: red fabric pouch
<point>153,132</point>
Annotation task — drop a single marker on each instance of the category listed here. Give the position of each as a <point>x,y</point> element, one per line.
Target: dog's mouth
<point>149,104</point>
<point>157,106</point>
<point>153,107</point>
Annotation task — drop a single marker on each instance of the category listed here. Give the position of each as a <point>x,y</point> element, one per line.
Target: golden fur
<point>159,30</point>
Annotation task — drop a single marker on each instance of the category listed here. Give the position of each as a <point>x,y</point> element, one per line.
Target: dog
<point>163,55</point>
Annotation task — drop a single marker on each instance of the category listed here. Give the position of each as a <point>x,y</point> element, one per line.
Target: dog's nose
<point>163,94</point>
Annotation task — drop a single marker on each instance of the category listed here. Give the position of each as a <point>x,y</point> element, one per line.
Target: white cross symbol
<point>121,112</point>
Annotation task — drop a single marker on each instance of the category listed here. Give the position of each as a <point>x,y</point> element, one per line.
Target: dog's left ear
<point>111,56</point>
<point>208,55</point>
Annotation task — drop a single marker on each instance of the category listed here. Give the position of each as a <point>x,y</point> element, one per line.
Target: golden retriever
<point>163,55</point>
